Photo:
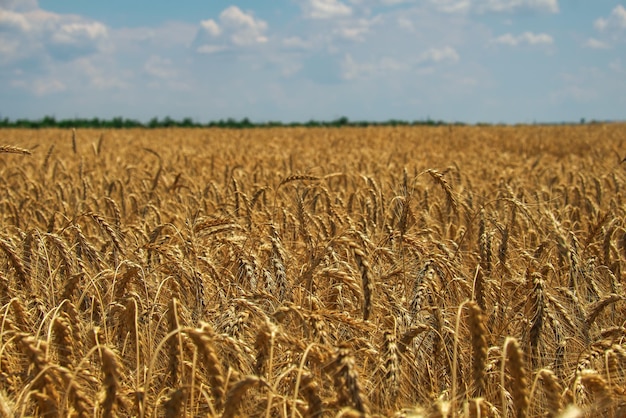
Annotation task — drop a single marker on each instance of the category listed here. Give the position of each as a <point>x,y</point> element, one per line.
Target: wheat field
<point>352,272</point>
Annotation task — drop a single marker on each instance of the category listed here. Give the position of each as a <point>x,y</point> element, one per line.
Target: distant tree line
<point>167,122</point>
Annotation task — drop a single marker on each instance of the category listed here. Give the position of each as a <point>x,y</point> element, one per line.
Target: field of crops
<point>408,272</point>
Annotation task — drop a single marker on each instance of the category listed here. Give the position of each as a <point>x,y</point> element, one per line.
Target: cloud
<point>73,33</point>
<point>352,69</point>
<point>616,66</point>
<point>325,9</point>
<point>211,49</point>
<point>581,94</point>
<point>405,23</point>
<point>394,2</point>
<point>8,49</point>
<point>245,29</point>
<point>496,6</point>
<point>436,55</point>
<point>38,34</point>
<point>615,22</point>
<point>95,73</point>
<point>595,44</point>
<point>53,54</point>
<point>20,5</point>
<point>234,29</point>
<point>580,85</point>
<point>354,30</point>
<point>10,20</point>
<point>526,38</point>
<point>296,42</point>
<point>513,6</point>
<point>176,35</point>
<point>418,58</point>
<point>452,6</point>
<point>40,86</point>
<point>159,67</point>
<point>74,39</point>
<point>211,27</point>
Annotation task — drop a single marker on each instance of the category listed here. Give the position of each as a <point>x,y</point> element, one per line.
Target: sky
<point>494,61</point>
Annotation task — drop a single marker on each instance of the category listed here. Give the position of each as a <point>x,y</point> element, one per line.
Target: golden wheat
<point>414,271</point>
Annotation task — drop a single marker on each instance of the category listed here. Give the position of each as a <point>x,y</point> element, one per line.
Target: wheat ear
<point>111,382</point>
<point>515,361</point>
<point>366,280</point>
<point>9,149</point>
<point>43,387</point>
<point>235,394</point>
<point>391,359</point>
<point>203,338</point>
<point>597,307</point>
<point>480,346</point>
<point>537,301</point>
<point>346,381</point>
<point>10,251</point>
<point>310,389</point>
<point>553,390</point>
<point>174,403</point>
<point>7,409</point>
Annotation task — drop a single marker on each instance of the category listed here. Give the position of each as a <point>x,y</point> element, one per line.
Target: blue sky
<point>512,61</point>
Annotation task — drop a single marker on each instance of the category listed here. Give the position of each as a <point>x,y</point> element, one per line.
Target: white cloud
<point>92,72</point>
<point>616,66</point>
<point>160,67</point>
<point>296,42</point>
<point>8,49</point>
<point>446,53</point>
<point>325,9</point>
<point>452,6</point>
<point>234,29</point>
<point>354,30</point>
<point>577,93</point>
<point>496,6</point>
<point>512,6</point>
<point>289,70</point>
<point>10,20</point>
<point>21,5</point>
<point>615,21</point>
<point>211,27</point>
<point>383,67</point>
<point>506,39</point>
<point>169,35</point>
<point>40,34</point>
<point>433,50</point>
<point>405,23</point>
<point>49,53</point>
<point>352,69</point>
<point>244,28</point>
<point>211,49</point>
<point>393,2</point>
<point>527,38</point>
<point>40,86</point>
<point>73,33</point>
<point>595,44</point>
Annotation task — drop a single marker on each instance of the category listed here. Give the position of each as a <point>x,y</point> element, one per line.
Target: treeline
<point>167,122</point>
